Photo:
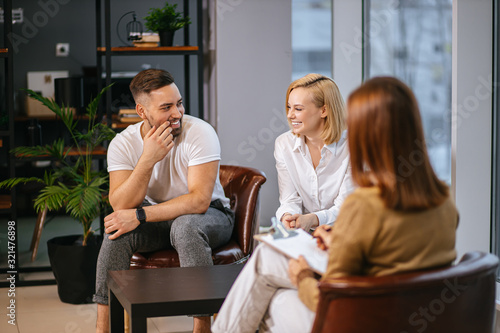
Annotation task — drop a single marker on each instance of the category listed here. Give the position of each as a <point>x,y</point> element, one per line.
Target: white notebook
<point>300,244</point>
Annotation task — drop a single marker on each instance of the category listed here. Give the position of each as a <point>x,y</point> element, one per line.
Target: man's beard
<point>175,131</point>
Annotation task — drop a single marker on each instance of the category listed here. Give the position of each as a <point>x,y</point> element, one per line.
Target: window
<point>311,37</point>
<point>411,40</point>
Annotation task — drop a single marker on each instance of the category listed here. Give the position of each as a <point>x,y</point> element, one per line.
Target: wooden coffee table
<point>167,292</point>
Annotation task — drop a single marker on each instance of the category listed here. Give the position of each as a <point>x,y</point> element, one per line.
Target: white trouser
<point>263,294</point>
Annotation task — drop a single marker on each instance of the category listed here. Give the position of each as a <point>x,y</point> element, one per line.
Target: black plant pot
<point>166,38</point>
<point>74,267</point>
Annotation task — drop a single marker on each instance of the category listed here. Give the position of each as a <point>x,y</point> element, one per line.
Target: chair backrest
<point>456,299</point>
<point>241,186</point>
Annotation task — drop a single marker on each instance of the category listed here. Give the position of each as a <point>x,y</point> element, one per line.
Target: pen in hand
<point>323,236</point>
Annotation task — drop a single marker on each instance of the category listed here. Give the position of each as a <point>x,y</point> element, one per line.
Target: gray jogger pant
<point>193,236</point>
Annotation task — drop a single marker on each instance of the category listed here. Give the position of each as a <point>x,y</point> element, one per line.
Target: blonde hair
<point>325,93</point>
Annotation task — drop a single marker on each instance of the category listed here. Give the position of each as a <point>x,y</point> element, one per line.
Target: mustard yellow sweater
<point>369,239</point>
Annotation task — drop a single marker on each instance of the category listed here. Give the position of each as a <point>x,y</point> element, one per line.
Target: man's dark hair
<point>148,80</point>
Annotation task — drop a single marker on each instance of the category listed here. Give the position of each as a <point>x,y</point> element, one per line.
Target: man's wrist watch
<point>141,215</point>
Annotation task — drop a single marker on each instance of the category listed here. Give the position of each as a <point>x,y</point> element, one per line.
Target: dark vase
<point>74,267</point>
<point>166,38</point>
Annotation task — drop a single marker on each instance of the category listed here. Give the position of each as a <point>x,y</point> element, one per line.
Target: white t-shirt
<point>197,144</point>
<point>304,189</point>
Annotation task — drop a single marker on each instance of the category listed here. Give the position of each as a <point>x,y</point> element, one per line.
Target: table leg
<point>115,314</point>
<point>138,324</point>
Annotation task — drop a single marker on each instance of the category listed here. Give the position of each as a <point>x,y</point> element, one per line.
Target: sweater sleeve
<point>351,238</point>
<point>309,292</point>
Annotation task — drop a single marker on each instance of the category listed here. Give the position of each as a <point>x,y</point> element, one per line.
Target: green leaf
<point>56,150</point>
<point>10,183</point>
<point>165,19</point>
<point>71,183</point>
<point>53,197</point>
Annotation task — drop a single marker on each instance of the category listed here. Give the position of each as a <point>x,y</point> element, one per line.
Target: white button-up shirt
<point>305,190</point>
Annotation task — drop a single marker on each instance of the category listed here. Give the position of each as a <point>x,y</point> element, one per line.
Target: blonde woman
<point>312,158</point>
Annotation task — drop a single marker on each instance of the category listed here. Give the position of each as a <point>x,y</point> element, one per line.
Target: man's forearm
<point>191,203</point>
<point>132,191</point>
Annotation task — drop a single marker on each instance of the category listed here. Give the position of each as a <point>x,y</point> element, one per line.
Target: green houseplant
<point>166,21</point>
<point>71,185</point>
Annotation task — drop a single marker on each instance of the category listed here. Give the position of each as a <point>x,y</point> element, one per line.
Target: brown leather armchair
<point>241,185</point>
<point>458,299</point>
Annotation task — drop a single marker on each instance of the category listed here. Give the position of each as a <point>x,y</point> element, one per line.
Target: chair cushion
<point>156,259</point>
<point>228,254</point>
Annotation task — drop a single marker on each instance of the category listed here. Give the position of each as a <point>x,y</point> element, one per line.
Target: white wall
<point>252,72</point>
<point>471,121</point>
<point>347,44</point>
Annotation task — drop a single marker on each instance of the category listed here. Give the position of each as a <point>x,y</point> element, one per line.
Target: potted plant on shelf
<point>73,185</point>
<point>165,21</point>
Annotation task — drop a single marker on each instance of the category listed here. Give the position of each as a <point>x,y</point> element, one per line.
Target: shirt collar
<point>333,148</point>
<point>300,143</point>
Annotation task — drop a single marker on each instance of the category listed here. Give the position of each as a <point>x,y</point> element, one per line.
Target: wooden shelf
<point>98,151</point>
<point>5,202</point>
<point>48,118</point>
<point>132,50</point>
<point>119,125</point>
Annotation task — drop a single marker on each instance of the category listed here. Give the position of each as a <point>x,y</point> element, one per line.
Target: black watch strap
<point>141,215</point>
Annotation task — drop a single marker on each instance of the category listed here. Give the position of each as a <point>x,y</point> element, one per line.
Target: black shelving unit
<point>105,51</point>
<point>7,202</point>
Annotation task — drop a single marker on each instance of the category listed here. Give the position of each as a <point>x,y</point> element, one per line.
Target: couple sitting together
<point>338,176</point>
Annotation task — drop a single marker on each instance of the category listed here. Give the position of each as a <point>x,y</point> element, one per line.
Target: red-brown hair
<point>387,146</point>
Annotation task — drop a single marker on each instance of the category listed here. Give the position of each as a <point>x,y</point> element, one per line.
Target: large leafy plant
<point>71,184</point>
<point>165,19</point>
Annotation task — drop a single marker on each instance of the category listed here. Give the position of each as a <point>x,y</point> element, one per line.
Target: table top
<point>180,289</point>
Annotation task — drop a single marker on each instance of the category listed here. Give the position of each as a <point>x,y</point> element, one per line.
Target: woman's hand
<point>287,220</point>
<point>295,267</point>
<point>323,236</point>
<point>306,221</point>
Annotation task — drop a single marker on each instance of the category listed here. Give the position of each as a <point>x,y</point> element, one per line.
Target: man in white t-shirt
<point>164,188</point>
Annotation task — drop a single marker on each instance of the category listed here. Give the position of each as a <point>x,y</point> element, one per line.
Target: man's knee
<point>182,230</point>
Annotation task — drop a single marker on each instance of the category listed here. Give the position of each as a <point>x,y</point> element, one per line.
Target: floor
<point>38,308</point>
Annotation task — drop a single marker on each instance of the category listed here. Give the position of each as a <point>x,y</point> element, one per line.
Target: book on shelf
<point>126,115</point>
<point>145,44</point>
<point>127,111</point>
